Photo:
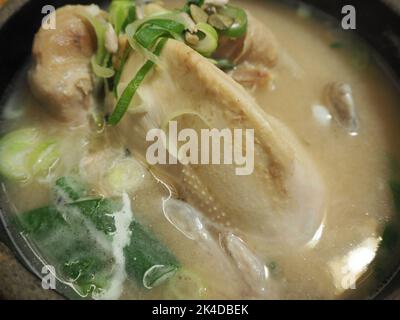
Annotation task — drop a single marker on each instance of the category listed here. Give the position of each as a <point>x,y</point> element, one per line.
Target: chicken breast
<point>60,76</point>
<point>285,191</point>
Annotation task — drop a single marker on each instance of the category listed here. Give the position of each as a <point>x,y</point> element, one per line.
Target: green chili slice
<point>239,26</point>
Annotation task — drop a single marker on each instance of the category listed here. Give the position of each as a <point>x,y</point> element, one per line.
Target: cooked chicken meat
<point>285,189</point>
<point>61,77</point>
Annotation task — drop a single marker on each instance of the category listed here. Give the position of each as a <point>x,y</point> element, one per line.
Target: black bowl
<point>378,23</point>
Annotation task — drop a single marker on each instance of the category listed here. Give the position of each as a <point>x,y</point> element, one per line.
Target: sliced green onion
<point>209,42</point>
<point>156,28</point>
<point>122,12</point>
<point>68,189</point>
<point>239,26</point>
<point>43,157</point>
<point>14,150</point>
<point>170,23</point>
<point>125,175</point>
<point>25,153</point>
<point>138,48</point>
<point>147,259</point>
<point>130,90</point>
<point>100,30</point>
<point>146,37</point>
<point>99,63</point>
<point>100,71</point>
<point>118,74</point>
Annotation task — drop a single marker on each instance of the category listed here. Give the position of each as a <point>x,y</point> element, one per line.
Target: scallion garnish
<point>118,74</point>
<point>126,97</point>
<point>122,12</point>
<point>156,28</point>
<point>145,33</point>
<point>208,39</point>
<point>239,27</point>
<point>101,71</point>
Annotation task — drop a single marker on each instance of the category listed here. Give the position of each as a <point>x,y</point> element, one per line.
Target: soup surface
<point>316,223</point>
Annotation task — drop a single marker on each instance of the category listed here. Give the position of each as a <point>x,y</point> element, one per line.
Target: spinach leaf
<point>144,253</point>
<point>68,189</point>
<point>69,246</point>
<point>64,236</point>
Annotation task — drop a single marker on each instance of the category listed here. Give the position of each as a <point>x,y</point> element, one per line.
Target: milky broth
<point>355,168</point>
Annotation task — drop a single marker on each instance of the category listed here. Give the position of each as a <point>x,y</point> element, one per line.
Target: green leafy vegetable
<point>65,237</point>
<point>148,260</point>
<point>69,247</point>
<point>68,189</point>
<point>39,222</point>
<point>144,34</point>
<point>99,212</point>
<point>44,156</point>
